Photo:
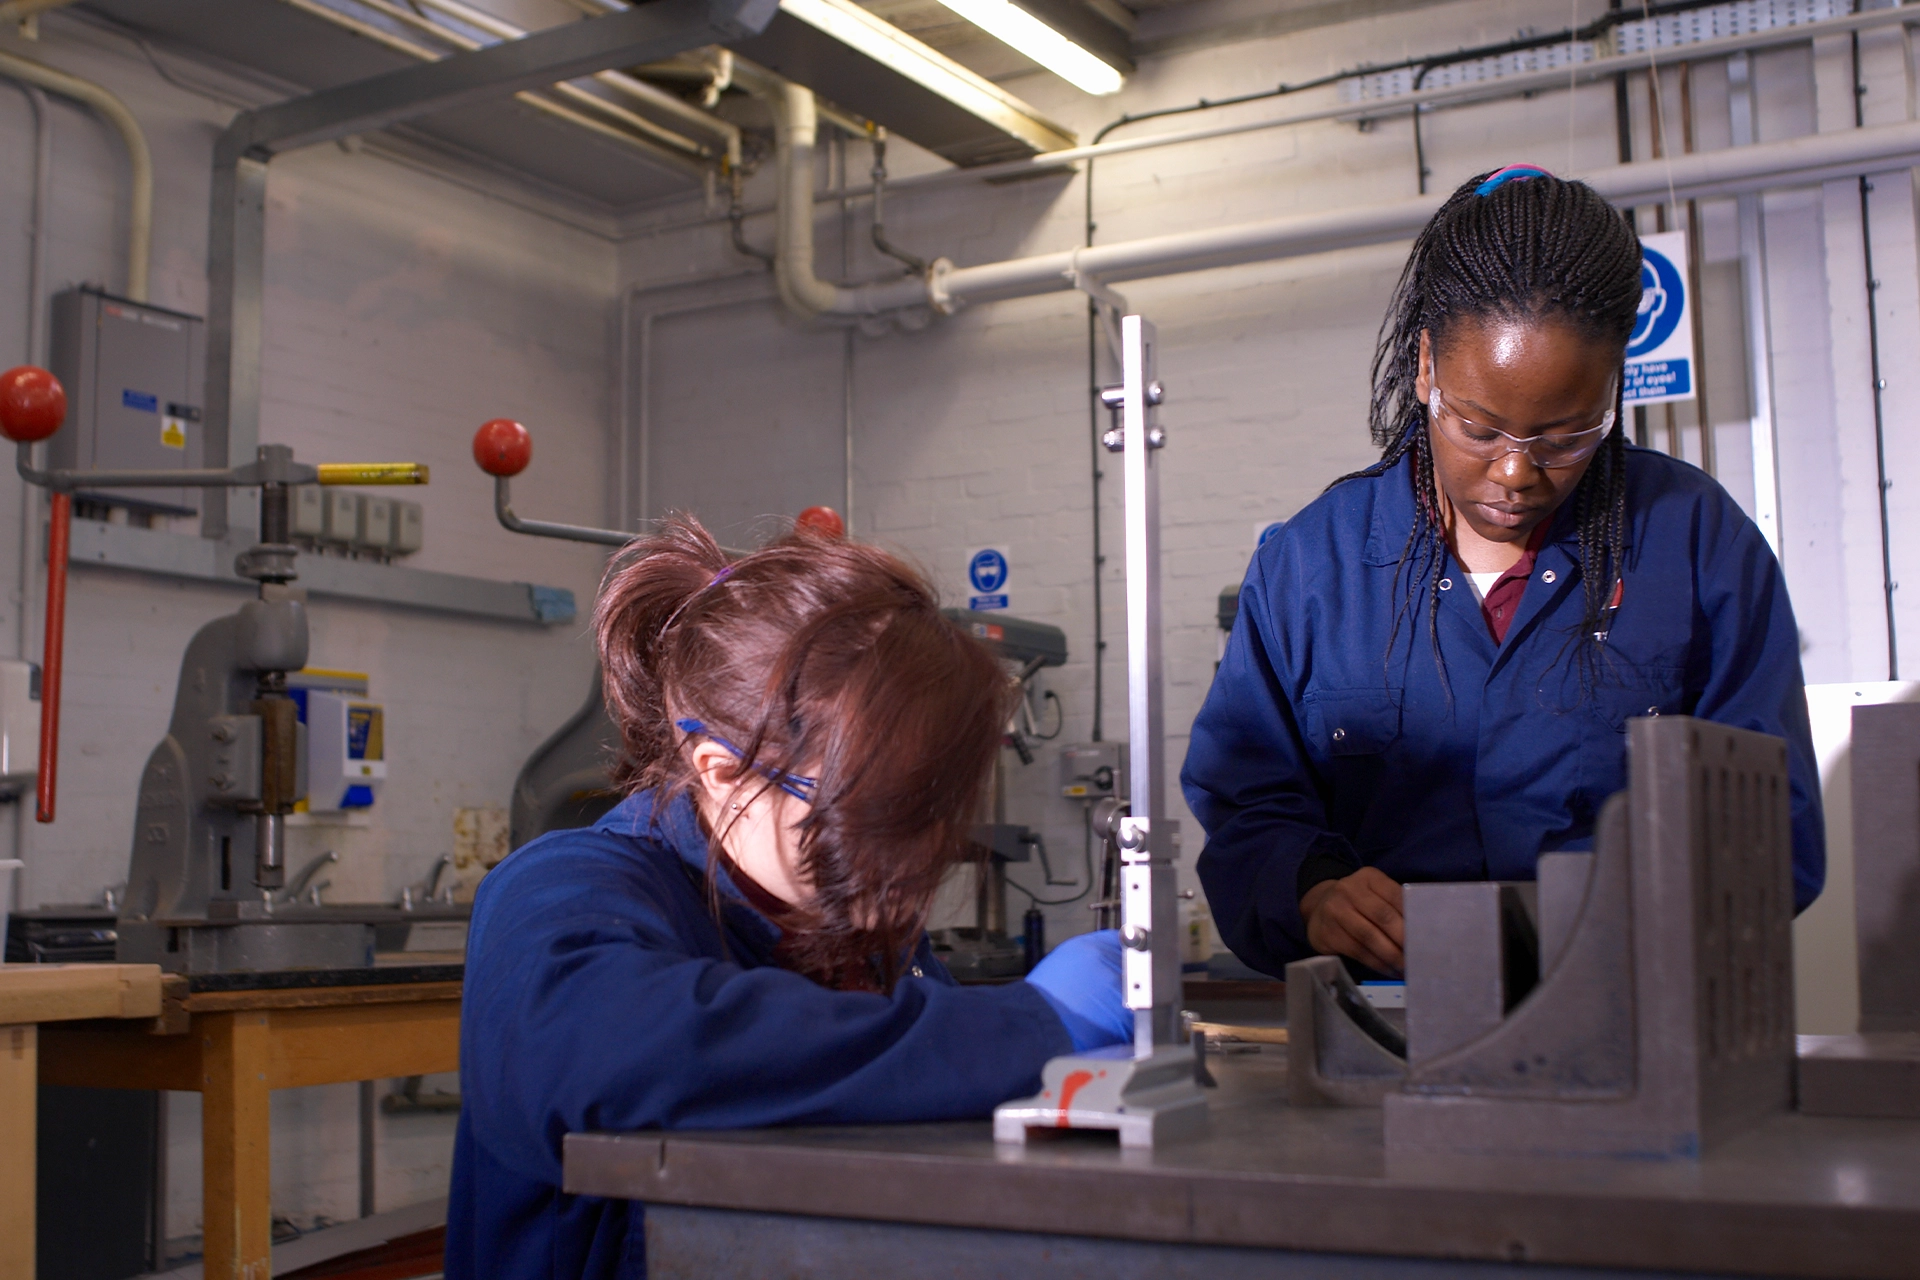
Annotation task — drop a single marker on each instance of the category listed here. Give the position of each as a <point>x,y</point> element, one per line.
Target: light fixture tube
<point>1020,30</point>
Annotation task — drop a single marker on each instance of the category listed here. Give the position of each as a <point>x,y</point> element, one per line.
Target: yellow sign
<point>173,432</point>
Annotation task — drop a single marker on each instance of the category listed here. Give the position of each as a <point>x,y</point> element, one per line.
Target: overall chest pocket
<point>1623,693</point>
<point>1352,722</point>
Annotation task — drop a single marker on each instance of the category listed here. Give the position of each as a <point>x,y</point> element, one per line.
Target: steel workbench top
<point>1796,1195</point>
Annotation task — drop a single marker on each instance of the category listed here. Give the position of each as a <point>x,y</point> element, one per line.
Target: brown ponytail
<point>821,657</point>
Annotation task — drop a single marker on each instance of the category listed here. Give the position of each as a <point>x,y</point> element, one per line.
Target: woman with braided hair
<point>1433,664</point>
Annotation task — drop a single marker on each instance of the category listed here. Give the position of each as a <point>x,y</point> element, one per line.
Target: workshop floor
<point>414,1257</point>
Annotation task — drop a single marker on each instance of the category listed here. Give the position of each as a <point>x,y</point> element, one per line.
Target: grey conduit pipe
<point>139,157</point>
<point>1802,161</point>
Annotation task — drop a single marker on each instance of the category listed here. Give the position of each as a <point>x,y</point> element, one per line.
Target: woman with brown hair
<point>741,941</point>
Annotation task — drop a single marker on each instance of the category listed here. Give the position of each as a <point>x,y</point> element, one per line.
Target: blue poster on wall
<point>987,572</point>
<point>1660,353</point>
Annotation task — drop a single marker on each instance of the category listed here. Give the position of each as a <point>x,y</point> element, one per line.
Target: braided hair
<point>1513,244</point>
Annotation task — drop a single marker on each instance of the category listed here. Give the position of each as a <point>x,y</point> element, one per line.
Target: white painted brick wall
<point>975,431</point>
<point>402,311</point>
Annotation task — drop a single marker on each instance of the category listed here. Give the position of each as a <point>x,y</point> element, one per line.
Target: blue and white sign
<point>987,572</point>
<point>1660,353</point>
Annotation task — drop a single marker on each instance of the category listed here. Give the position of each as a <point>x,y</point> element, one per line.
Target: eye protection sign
<point>1660,364</point>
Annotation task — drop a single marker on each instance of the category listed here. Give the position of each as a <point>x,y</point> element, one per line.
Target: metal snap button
<point>1653,711</point>
<point>1446,584</point>
<point>1339,735</point>
<point>1548,576</point>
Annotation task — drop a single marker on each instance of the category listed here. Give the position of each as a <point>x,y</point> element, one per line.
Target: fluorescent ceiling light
<point>1015,27</point>
<point>894,49</point>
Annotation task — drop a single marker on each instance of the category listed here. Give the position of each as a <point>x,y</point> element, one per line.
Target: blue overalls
<point>602,995</point>
<point>1331,731</point>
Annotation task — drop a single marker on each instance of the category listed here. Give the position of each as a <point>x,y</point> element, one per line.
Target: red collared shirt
<point>1502,600</point>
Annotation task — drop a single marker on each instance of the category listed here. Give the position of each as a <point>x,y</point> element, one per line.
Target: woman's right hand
<point>1358,916</point>
<point>1081,979</point>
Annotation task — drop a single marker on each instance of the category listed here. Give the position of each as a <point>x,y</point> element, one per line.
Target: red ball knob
<point>33,404</point>
<point>502,447</point>
<point>822,520</point>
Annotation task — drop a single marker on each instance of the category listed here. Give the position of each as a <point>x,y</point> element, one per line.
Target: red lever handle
<point>33,404</point>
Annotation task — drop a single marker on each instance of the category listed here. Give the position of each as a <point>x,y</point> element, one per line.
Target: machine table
<point>1271,1191</point>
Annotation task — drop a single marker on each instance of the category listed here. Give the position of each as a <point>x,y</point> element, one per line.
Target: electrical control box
<point>1093,770</point>
<point>341,517</point>
<point>376,523</point>
<point>134,376</point>
<point>19,725</point>
<point>346,757</point>
<point>307,512</point>
<point>409,527</point>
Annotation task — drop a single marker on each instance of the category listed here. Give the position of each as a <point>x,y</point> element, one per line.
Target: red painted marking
<point>1074,1083</point>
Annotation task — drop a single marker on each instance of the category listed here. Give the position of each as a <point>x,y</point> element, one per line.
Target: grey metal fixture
<point>1877,1072</point>
<point>236,252</point>
<point>1662,1018</point>
<point>1148,1091</point>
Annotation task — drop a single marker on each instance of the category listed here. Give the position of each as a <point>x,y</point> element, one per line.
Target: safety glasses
<point>800,788</point>
<point>1551,448</point>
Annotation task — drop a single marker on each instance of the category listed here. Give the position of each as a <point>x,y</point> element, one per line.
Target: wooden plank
<point>315,997</point>
<point>118,1055</point>
<point>60,992</point>
<point>18,1135</point>
<point>234,1140</point>
<point>363,1042</point>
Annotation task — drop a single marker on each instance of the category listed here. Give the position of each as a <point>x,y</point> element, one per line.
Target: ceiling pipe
<point>639,90</point>
<point>1802,161</point>
<point>139,157</point>
<point>796,128</point>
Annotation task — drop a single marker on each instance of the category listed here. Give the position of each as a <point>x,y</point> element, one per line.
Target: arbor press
<point>209,839</point>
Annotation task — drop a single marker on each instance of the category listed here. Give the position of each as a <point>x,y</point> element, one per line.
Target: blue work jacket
<point>1330,729</point>
<point>602,995</point>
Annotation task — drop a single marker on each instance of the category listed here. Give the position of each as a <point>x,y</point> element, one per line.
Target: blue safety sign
<point>987,574</point>
<point>1660,351</point>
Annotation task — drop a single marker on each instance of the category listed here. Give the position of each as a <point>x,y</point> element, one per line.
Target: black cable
<point>1873,350</point>
<point>1059,716</point>
<point>1086,882</point>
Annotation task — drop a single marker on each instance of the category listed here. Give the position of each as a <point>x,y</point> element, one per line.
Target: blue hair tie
<point>1512,173</point>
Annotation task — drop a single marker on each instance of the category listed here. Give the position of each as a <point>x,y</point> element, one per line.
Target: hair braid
<point>1532,248</point>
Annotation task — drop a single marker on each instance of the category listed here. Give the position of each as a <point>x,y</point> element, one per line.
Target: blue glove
<point>1081,979</point>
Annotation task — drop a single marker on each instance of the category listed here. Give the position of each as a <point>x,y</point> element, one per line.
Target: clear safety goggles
<point>794,784</point>
<point>1554,447</point>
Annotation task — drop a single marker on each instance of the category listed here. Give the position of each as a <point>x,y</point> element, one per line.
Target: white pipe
<point>796,127</point>
<point>1799,162</point>
<point>139,157</point>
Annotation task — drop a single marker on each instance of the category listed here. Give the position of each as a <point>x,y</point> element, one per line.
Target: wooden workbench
<point>233,1047</point>
<point>31,996</point>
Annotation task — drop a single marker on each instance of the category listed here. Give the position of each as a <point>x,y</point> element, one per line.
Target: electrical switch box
<point>19,725</point>
<point>409,527</point>
<point>376,523</point>
<point>134,376</point>
<point>346,758</point>
<point>342,516</point>
<point>307,511</point>
<point>1093,770</point>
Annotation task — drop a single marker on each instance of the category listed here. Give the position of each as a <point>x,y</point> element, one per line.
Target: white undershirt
<point>1483,582</point>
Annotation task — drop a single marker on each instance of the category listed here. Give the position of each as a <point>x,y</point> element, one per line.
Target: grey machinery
<point>209,842</point>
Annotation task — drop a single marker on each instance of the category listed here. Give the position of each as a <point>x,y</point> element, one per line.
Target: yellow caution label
<point>173,432</point>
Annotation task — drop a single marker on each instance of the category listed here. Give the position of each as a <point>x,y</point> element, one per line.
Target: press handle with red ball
<point>33,404</point>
